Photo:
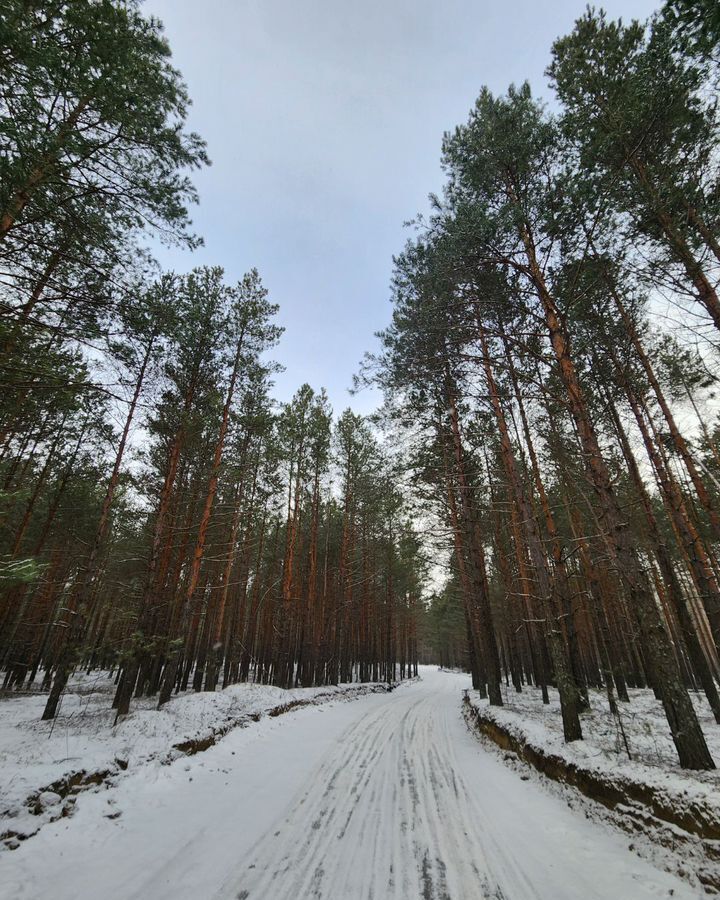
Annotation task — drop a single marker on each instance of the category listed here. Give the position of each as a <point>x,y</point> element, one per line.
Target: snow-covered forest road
<point>388,796</point>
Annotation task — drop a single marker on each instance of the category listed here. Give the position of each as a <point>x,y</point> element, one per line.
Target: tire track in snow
<point>396,812</point>
<point>387,798</point>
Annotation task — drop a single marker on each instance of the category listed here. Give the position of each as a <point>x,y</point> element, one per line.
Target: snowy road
<point>385,797</point>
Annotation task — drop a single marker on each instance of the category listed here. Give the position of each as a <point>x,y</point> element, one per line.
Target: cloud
<point>324,120</point>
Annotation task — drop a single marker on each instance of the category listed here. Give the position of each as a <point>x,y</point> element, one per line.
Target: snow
<point>388,797</point>
<point>36,754</point>
<point>654,759</point>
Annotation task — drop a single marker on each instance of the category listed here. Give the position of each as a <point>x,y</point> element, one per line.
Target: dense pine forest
<point>162,515</point>
<point>548,440</point>
<point>554,318</point>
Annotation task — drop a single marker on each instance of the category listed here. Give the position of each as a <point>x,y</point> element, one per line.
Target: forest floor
<point>652,756</point>
<point>387,797</point>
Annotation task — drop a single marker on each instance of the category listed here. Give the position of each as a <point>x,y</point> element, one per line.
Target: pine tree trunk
<point>687,734</point>
<point>77,627</point>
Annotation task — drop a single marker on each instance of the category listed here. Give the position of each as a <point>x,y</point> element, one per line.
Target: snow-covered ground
<point>642,718</point>
<point>82,739</point>
<point>653,756</point>
<point>389,797</point>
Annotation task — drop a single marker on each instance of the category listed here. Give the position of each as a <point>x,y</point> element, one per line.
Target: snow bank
<point>648,793</point>
<point>45,765</point>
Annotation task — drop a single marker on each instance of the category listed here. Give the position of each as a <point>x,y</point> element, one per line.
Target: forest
<point>548,437</point>
<point>161,515</point>
<point>552,368</point>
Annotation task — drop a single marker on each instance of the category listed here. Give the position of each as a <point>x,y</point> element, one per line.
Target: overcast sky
<point>324,120</point>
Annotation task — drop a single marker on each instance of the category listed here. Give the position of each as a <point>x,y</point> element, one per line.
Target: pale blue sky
<point>324,120</point>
